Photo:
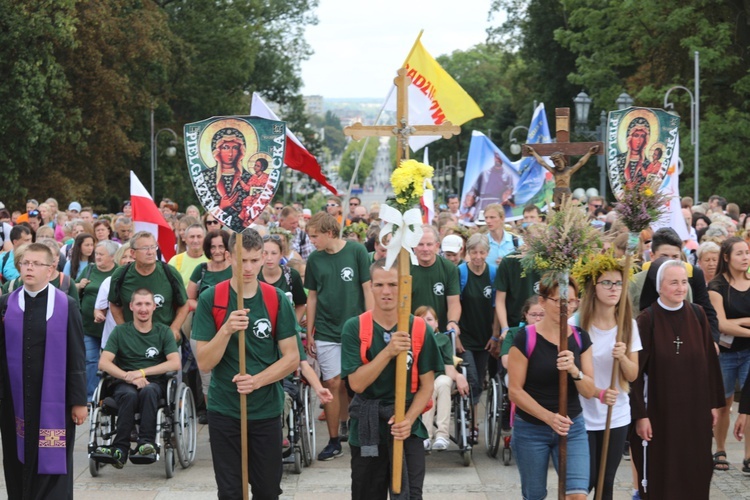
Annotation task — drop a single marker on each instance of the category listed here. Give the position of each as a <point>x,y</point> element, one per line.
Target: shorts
<point>329,359</point>
<point>735,366</point>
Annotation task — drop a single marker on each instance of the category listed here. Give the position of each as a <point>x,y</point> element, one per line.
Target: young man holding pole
<point>271,354</point>
<point>373,381</point>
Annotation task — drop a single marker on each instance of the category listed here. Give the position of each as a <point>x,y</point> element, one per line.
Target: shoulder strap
<point>463,275</point>
<point>221,303</point>
<point>515,240</point>
<point>176,287</point>
<point>271,300</point>
<point>530,340</point>
<point>204,268</point>
<point>577,336</point>
<point>287,276</point>
<point>64,282</point>
<point>365,335</point>
<point>87,271</point>
<point>178,261</point>
<point>118,284</point>
<point>418,329</point>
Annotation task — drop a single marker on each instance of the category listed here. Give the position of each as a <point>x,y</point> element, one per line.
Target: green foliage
<point>349,160</point>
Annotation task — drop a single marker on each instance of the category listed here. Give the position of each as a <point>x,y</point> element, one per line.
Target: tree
<point>349,160</point>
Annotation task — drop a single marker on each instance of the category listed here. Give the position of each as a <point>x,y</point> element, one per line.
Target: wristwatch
<point>579,377</point>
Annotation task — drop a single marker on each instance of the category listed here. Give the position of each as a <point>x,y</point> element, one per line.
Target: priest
<point>42,382</point>
<point>674,399</point>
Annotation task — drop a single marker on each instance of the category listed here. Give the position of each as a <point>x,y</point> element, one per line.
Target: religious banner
<point>236,165</point>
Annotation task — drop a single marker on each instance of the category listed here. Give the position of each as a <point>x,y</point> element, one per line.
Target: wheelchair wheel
<point>185,426</point>
<point>305,430</point>
<point>491,440</point>
<point>169,462</point>
<point>466,457</point>
<point>309,401</point>
<point>100,434</point>
<point>297,460</point>
<point>507,455</point>
<point>94,467</point>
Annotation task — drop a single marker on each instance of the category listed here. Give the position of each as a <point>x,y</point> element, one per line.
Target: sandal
<point>720,462</point>
<point>746,466</point>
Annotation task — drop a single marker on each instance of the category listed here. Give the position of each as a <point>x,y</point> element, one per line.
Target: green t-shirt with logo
<point>443,342</point>
<point>517,288</point>
<point>383,388</point>
<point>185,265</point>
<point>157,282</point>
<point>209,278</point>
<point>261,352</point>
<point>337,278</point>
<point>299,297</point>
<point>477,311</point>
<point>134,350</point>
<point>431,286</point>
<point>88,299</point>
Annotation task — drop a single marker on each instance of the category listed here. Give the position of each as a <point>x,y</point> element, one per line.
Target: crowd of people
<point>320,299</point>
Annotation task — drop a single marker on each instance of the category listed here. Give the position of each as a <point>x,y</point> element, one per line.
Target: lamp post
<point>171,150</point>
<point>515,148</point>
<point>582,104</point>
<point>694,121</point>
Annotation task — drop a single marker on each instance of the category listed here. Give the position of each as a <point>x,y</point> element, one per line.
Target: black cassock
<point>682,390</point>
<point>22,480</point>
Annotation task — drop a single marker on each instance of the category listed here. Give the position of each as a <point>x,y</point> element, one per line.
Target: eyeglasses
<point>32,265</point>
<point>536,315</point>
<point>647,242</point>
<point>274,237</point>
<point>608,284</point>
<point>148,248</point>
<point>355,204</point>
<point>332,204</point>
<point>571,302</point>
<point>278,208</point>
<point>211,222</point>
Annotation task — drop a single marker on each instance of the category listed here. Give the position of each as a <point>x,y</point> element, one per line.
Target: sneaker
<point>118,458</point>
<point>636,495</point>
<point>343,432</point>
<point>427,445</point>
<point>440,444</point>
<point>331,451</point>
<point>203,418</point>
<point>146,449</point>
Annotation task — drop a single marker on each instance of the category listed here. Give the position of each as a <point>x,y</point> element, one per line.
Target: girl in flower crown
<point>601,279</point>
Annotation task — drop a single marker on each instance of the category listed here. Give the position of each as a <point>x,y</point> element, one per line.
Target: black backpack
<point>176,287</point>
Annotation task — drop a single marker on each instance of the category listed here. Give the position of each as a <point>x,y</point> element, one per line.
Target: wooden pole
<point>615,372</point>
<point>241,339</point>
<point>562,466</point>
<point>404,311</point>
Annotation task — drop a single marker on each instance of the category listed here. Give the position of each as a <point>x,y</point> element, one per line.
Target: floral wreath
<point>590,267</point>
<point>358,228</point>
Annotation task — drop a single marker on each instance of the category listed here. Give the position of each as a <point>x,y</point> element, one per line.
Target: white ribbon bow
<point>404,236</point>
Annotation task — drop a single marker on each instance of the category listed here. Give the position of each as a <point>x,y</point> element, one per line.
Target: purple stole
<point>52,415</point>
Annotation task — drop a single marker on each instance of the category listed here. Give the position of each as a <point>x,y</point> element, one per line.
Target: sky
<point>359,45</point>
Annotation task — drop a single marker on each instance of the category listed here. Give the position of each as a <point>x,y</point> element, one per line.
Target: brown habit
<point>682,390</point>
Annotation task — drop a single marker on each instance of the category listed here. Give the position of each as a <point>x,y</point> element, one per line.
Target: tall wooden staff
<point>239,283</point>
<point>562,446</point>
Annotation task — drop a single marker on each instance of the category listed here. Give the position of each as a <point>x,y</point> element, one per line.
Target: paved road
<point>486,478</point>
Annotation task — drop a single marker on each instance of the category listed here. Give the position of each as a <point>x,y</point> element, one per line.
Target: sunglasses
<point>274,237</point>
<point>34,213</point>
<point>279,207</point>
<point>212,222</point>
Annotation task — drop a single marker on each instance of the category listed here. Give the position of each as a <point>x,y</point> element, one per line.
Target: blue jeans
<point>92,364</point>
<point>734,366</point>
<point>532,446</point>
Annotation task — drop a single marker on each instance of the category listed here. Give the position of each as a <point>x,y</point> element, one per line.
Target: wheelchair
<point>176,426</point>
<point>301,425</point>
<point>462,413</point>
<point>497,419</point>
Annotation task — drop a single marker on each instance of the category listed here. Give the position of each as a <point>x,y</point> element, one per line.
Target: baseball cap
<point>74,206</point>
<point>306,213</point>
<point>2,205</point>
<point>452,243</point>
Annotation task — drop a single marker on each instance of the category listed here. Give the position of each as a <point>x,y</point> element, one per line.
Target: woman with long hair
<point>601,304</point>
<point>534,364</point>
<point>81,255</point>
<point>217,269</point>
<point>729,292</point>
<point>280,275</point>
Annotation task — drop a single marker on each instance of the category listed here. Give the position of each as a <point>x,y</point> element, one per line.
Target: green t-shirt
<point>72,291</point>
<point>261,352</point>
<point>159,285</point>
<point>383,388</point>
<point>337,278</point>
<point>477,311</point>
<point>210,278</point>
<point>508,342</point>
<point>88,299</point>
<point>186,264</point>
<point>134,350</point>
<point>431,286</point>
<point>299,297</point>
<point>445,347</point>
<point>518,289</point>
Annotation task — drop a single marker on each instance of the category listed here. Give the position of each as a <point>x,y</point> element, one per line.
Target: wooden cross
<point>402,130</point>
<point>560,152</point>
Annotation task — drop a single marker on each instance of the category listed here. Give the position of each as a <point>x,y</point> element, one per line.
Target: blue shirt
<point>9,270</point>
<point>502,248</point>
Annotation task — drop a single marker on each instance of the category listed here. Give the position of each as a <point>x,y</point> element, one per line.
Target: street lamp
<point>170,151</point>
<point>515,148</point>
<point>694,121</point>
<point>583,105</point>
<point>624,101</point>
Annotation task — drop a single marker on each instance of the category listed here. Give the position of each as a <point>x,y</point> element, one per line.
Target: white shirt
<point>594,412</point>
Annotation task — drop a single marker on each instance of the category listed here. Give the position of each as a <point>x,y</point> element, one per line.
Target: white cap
<point>307,213</point>
<point>452,243</point>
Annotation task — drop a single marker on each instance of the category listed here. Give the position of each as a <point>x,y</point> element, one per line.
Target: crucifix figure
<point>678,343</point>
<point>560,151</point>
<point>402,130</point>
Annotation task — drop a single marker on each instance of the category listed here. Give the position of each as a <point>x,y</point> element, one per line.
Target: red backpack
<point>221,303</point>
<point>419,327</point>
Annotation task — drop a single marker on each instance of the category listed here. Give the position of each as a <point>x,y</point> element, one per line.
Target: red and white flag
<point>427,201</point>
<point>148,217</point>
<point>295,156</point>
